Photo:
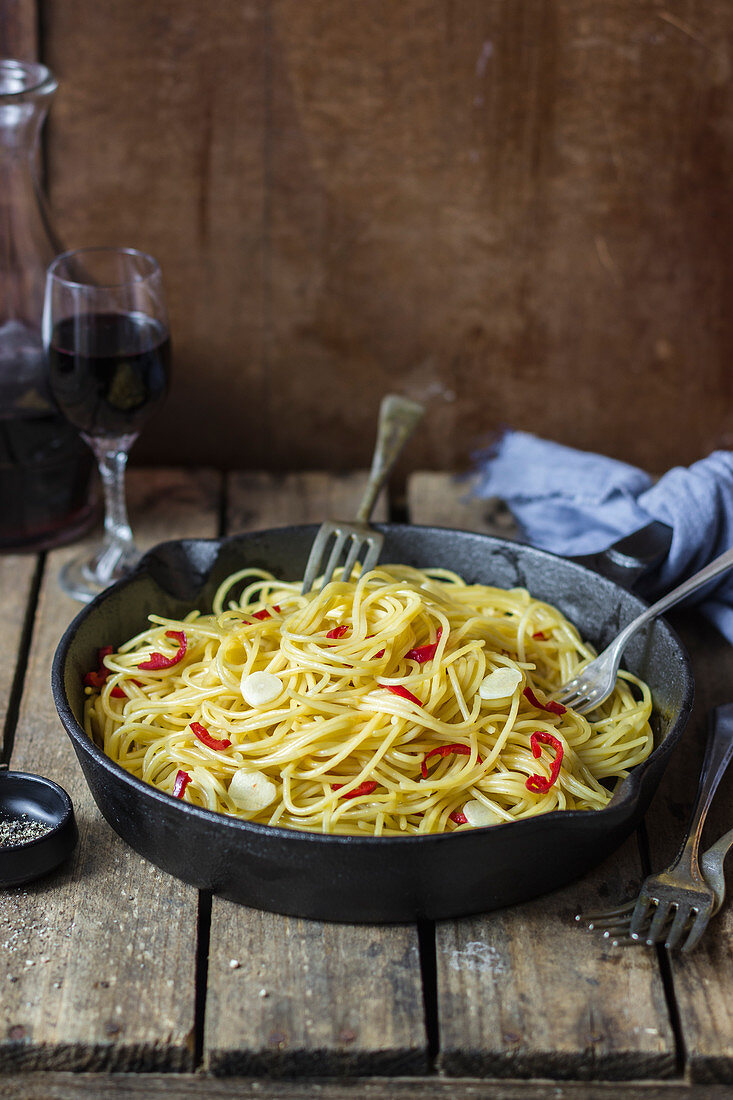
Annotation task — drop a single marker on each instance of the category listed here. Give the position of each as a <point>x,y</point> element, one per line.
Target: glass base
<point>85,576</point>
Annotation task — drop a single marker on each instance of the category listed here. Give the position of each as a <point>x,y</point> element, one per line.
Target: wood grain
<point>525,992</point>
<point>517,212</point>
<point>156,140</point>
<point>702,978</point>
<point>19,29</point>
<point>260,500</point>
<point>16,577</point>
<point>60,1086</point>
<point>98,963</point>
<point>290,996</point>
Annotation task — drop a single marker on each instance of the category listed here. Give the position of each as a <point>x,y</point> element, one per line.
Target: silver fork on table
<point>676,905</point>
<point>398,418</point>
<point>614,924</point>
<point>596,680</point>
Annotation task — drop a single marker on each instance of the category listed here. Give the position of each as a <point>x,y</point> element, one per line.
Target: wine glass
<point>106,338</point>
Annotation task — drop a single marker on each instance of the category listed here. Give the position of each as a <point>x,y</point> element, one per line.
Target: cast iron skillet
<point>367,878</point>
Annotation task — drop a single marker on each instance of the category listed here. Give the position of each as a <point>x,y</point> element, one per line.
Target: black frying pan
<point>354,878</point>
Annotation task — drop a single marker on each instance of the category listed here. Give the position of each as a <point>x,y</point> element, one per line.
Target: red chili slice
<point>459,817</point>
<point>423,653</point>
<point>337,632</point>
<point>97,678</point>
<point>117,691</point>
<point>264,614</point>
<point>397,689</point>
<point>446,750</point>
<point>376,655</point>
<point>157,661</point>
<point>540,636</point>
<point>364,788</point>
<point>202,734</point>
<point>551,706</point>
<point>182,781</point>
<point>538,783</point>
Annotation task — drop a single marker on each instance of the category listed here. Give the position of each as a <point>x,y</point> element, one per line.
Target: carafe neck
<point>26,90</point>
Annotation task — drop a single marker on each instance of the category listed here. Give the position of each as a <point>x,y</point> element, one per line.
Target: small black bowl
<point>42,800</point>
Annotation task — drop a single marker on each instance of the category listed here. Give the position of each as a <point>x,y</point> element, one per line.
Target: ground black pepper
<point>21,830</point>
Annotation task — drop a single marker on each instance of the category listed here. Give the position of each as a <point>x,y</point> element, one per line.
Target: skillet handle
<point>627,560</point>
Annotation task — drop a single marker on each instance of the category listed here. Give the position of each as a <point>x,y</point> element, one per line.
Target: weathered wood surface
<point>19,29</point>
<point>60,1086</point>
<point>702,980</point>
<point>291,996</point>
<point>516,211</point>
<point>16,579</point>
<point>525,992</point>
<point>260,500</point>
<point>105,953</point>
<point>98,964</point>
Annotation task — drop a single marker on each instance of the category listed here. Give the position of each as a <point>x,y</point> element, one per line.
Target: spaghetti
<point>402,702</point>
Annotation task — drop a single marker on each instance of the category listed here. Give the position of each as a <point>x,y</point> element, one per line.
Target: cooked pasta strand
<point>360,708</point>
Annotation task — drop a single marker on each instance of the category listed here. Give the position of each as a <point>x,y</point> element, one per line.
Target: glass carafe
<point>45,468</point>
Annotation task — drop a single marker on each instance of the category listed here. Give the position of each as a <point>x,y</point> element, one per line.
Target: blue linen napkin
<point>576,502</point>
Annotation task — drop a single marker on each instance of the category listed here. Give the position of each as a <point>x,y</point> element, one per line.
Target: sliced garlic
<point>251,790</point>
<point>477,814</point>
<point>260,688</point>
<point>500,684</point>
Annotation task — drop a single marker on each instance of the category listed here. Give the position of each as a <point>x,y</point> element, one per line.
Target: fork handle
<point>713,569</point>
<point>718,754</point>
<point>398,418</point>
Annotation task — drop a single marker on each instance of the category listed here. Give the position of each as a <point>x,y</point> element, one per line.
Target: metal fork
<point>596,680</point>
<point>615,924</point>
<point>675,905</point>
<point>398,418</point>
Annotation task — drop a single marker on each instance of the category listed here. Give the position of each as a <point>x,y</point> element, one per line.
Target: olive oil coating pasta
<point>403,701</point>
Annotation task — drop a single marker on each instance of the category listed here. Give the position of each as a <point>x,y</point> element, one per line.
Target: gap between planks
<point>97,968</point>
<point>291,996</point>
<point>525,992</point>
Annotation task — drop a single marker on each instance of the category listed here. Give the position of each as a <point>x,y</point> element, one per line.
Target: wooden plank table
<point>117,980</point>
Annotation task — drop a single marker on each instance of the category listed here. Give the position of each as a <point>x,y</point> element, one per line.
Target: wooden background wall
<point>517,210</point>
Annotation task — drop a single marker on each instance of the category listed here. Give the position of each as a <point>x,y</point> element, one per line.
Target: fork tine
<point>336,551</point>
<point>660,920</point>
<point>699,925</point>
<point>352,557</point>
<point>374,549</point>
<point>569,699</point>
<point>324,534</point>
<point>641,914</point>
<point>591,701</point>
<point>678,925</point>
<point>599,920</point>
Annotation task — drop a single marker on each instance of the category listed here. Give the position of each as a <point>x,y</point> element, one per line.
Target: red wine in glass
<point>109,371</point>
<point>107,344</point>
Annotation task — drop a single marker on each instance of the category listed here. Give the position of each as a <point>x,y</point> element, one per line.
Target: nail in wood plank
<point>98,963</point>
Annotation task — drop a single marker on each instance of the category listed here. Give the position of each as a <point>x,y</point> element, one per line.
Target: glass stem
<point>111,456</point>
